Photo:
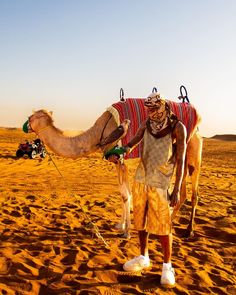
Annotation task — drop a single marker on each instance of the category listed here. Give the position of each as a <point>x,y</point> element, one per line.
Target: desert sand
<point>48,245</point>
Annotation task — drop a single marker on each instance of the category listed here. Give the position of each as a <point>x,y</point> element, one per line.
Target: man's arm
<point>134,141</point>
<point>180,135</point>
<point>137,138</point>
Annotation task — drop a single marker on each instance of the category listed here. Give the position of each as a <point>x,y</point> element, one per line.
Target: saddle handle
<point>154,90</point>
<point>183,97</point>
<point>122,95</point>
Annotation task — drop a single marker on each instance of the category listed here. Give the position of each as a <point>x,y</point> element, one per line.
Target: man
<point>164,148</point>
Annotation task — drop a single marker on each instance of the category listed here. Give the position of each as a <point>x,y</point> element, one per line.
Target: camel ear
<point>33,111</point>
<point>51,113</point>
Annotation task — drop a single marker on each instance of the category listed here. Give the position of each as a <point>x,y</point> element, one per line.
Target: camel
<point>41,122</point>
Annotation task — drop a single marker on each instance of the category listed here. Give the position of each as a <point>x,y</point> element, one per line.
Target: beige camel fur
<point>41,123</point>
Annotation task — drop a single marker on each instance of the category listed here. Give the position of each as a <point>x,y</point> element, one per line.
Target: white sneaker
<point>168,275</point>
<point>137,263</point>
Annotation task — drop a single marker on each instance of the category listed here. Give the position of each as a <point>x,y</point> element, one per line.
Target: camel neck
<point>42,129</point>
<point>67,146</point>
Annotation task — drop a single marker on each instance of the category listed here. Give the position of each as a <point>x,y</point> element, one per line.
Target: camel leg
<point>194,201</point>
<point>194,165</point>
<point>125,222</point>
<point>183,194</point>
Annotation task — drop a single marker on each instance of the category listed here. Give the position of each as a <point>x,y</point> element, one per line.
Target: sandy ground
<point>47,245</point>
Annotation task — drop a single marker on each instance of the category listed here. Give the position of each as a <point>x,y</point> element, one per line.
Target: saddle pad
<point>134,110</point>
<point>186,113</point>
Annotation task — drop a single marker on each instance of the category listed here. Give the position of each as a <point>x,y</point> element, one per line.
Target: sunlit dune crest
<point>48,246</point>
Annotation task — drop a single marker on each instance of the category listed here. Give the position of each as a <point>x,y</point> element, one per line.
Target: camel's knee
<point>124,198</point>
<point>125,192</point>
<point>191,169</point>
<point>183,192</point>
<point>195,199</point>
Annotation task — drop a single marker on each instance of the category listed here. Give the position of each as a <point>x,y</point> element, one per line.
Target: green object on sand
<point>25,127</point>
<point>117,151</point>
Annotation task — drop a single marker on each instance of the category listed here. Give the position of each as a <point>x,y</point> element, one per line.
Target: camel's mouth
<point>26,127</point>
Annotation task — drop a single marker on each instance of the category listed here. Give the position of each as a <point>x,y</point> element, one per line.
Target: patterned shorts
<point>151,209</point>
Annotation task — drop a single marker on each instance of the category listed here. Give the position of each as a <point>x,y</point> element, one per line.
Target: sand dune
<point>49,247</point>
<point>226,137</point>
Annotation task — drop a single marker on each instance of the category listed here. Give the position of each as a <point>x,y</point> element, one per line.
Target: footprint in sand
<point>219,234</point>
<point>4,265</point>
<point>15,213</point>
<point>31,198</point>
<point>69,259</point>
<point>8,221</point>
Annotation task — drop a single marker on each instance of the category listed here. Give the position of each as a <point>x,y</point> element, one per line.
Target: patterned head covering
<point>157,112</point>
<point>154,100</point>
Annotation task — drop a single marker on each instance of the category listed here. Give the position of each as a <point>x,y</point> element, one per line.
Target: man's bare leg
<point>141,262</point>
<point>166,244</point>
<point>143,241</point>
<point>168,275</point>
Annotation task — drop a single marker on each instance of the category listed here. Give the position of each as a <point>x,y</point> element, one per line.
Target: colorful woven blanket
<point>134,110</point>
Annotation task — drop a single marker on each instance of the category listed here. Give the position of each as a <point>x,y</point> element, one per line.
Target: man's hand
<point>116,153</point>
<point>127,149</point>
<point>113,158</point>
<point>174,198</point>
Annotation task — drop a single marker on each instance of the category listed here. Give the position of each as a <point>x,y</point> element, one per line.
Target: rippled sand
<point>48,245</point>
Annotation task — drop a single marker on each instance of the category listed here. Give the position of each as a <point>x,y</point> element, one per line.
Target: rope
<point>40,130</point>
<point>96,230</point>
<point>132,274</point>
<point>109,118</point>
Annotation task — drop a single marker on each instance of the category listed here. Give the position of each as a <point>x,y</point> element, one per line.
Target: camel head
<point>40,120</point>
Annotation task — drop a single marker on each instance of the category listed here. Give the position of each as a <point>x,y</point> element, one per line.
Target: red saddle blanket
<point>134,110</point>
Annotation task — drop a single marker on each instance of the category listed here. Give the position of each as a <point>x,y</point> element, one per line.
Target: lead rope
<point>131,275</point>
<point>96,230</point>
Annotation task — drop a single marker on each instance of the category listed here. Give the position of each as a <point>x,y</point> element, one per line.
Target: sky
<point>72,57</point>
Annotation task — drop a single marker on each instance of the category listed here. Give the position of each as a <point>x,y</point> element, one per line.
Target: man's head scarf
<point>157,104</point>
<point>154,100</point>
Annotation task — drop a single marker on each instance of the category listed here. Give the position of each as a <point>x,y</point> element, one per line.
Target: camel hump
<point>134,110</point>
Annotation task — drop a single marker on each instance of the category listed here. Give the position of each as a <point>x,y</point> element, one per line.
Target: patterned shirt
<point>157,161</point>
